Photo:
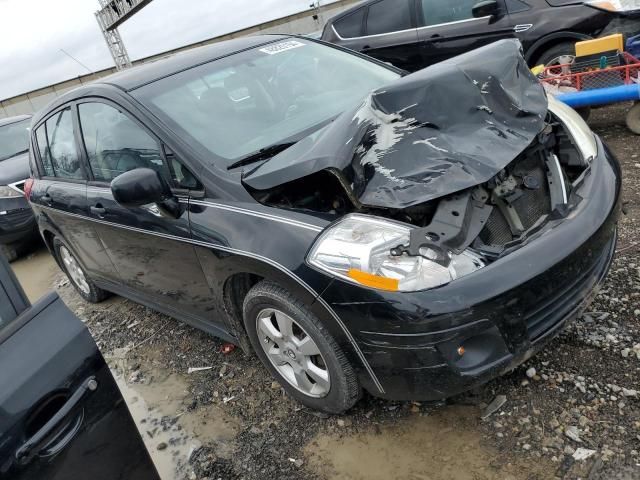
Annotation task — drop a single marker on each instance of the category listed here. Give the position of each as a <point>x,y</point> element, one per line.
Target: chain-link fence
<point>592,73</point>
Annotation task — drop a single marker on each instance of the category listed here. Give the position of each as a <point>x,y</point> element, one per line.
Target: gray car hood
<point>14,169</point>
<point>438,131</point>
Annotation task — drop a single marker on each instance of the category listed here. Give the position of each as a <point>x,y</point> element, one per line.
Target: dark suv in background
<point>17,224</point>
<point>413,34</point>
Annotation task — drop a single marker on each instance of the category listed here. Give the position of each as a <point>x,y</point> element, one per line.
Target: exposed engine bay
<point>489,218</point>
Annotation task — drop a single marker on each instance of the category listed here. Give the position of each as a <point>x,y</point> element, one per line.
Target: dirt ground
<point>230,421</point>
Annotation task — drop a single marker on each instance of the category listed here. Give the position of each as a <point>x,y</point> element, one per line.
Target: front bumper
<point>16,220</point>
<point>501,315</point>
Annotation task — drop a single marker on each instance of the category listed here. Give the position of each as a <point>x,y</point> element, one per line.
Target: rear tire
<point>633,119</point>
<point>76,274</point>
<point>298,350</point>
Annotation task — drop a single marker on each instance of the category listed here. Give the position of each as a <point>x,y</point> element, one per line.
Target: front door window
<point>116,144</point>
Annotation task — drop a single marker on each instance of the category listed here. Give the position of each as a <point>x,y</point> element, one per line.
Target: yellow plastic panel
<point>600,45</point>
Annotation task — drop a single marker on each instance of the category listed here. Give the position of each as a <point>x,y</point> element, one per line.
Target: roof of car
<point>19,118</point>
<point>135,77</point>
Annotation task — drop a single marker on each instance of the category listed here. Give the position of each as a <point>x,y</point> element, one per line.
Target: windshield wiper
<point>262,154</point>
<point>14,155</point>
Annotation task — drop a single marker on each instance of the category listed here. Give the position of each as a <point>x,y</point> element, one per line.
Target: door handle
<point>46,198</point>
<point>366,47</point>
<point>435,36</point>
<point>55,425</point>
<point>98,210</point>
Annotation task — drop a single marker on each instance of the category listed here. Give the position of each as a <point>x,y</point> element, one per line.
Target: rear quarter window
<point>351,25</point>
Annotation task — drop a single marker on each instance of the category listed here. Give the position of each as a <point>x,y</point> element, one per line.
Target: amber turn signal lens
<point>374,281</point>
<point>461,351</point>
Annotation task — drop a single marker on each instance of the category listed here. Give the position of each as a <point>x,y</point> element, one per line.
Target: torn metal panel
<point>443,129</point>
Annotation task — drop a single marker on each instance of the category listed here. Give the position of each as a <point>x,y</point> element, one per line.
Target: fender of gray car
<point>14,169</point>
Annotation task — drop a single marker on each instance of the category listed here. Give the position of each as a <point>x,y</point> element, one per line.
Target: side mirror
<point>485,8</point>
<point>138,187</point>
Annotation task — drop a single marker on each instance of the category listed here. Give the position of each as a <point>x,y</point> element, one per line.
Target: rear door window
<point>517,6</point>
<point>351,25</point>
<point>115,144</point>
<point>437,12</point>
<point>56,143</point>
<point>389,16</point>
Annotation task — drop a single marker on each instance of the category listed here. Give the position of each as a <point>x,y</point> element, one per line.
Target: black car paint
<point>226,236</point>
<point>539,27</point>
<point>61,413</point>
<point>16,218</point>
<point>412,339</point>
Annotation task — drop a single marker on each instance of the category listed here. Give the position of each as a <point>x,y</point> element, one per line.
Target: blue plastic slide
<point>601,96</point>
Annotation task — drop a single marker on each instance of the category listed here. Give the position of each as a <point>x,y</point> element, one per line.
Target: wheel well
<point>540,49</point>
<point>48,240</point>
<point>235,290</point>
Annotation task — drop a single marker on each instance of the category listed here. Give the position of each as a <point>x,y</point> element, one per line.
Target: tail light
<point>28,185</point>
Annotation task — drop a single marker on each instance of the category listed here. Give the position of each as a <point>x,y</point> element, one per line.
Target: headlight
<point>358,250</point>
<point>582,135</point>
<point>8,192</point>
<point>618,6</point>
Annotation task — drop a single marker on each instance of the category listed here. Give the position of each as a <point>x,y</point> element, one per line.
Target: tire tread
<point>351,386</point>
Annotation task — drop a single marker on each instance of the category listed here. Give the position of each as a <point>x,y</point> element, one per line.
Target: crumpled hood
<point>440,130</point>
<point>14,169</point>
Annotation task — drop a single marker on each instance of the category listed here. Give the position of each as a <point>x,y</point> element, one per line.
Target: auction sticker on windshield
<point>281,47</point>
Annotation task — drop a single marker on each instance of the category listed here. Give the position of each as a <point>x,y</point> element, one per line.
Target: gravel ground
<point>578,397</point>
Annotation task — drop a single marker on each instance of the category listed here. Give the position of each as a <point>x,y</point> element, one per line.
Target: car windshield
<point>14,139</point>
<point>271,95</point>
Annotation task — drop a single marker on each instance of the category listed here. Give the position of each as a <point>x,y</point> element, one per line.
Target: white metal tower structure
<point>112,14</point>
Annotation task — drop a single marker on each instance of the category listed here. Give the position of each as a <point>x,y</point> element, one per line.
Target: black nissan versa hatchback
<point>412,236</point>
<point>413,34</point>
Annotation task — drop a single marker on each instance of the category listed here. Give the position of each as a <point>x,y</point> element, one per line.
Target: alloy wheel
<point>75,271</point>
<point>293,352</point>
<point>562,63</point>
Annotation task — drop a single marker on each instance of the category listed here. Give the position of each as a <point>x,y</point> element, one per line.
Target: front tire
<point>76,274</point>
<point>559,54</point>
<point>298,350</point>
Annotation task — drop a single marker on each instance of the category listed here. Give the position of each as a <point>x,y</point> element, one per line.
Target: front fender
<point>232,239</point>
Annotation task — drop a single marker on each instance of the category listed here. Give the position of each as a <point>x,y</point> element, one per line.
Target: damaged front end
<point>438,174</point>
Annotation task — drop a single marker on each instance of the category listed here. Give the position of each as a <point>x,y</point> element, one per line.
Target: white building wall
<point>301,23</point>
